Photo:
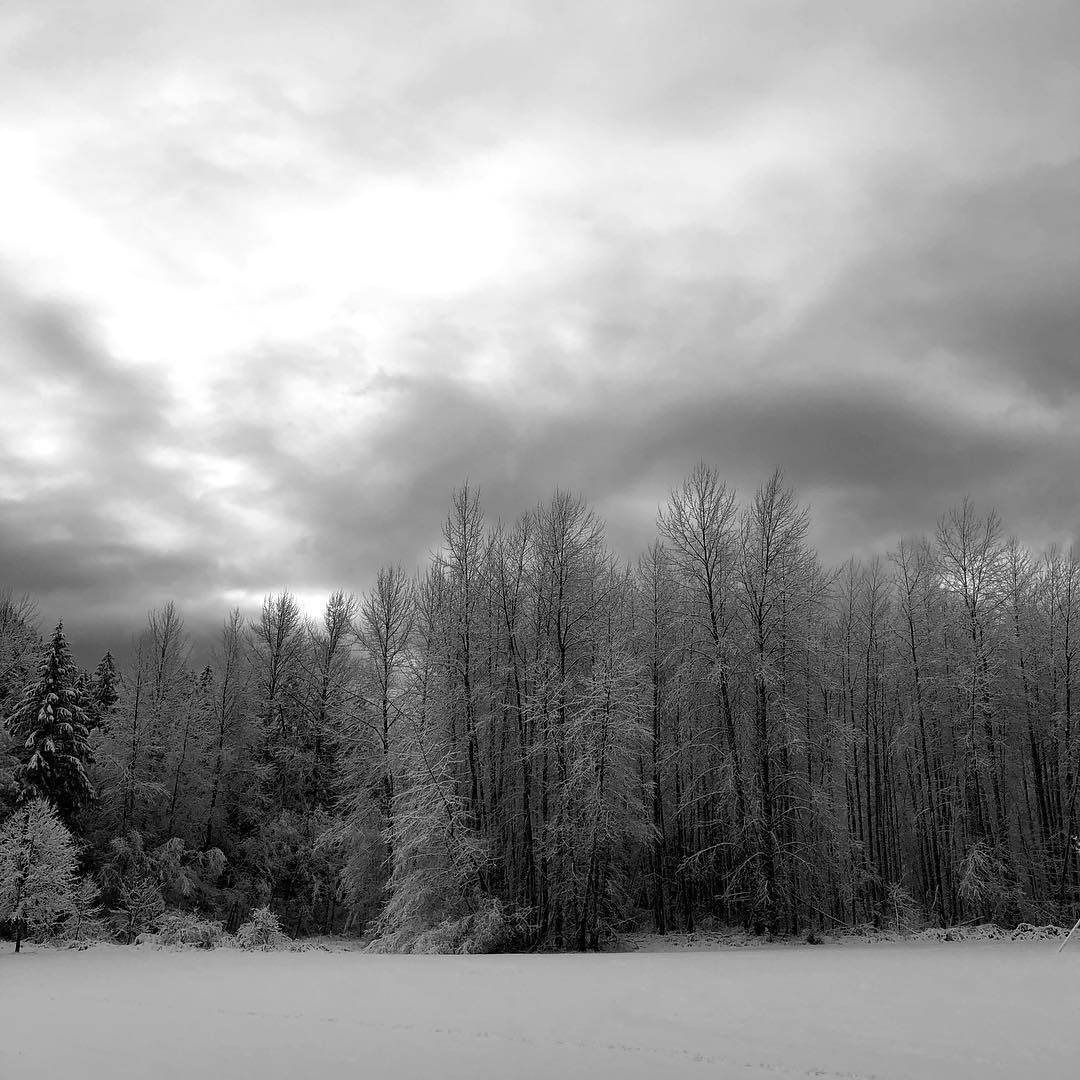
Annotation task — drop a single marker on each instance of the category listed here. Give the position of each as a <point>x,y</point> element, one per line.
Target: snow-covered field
<point>920,1010</point>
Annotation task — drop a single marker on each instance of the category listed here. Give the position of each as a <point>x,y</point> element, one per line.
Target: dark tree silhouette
<point>52,724</point>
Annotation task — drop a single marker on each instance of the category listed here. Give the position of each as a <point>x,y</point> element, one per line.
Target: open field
<point>925,1010</point>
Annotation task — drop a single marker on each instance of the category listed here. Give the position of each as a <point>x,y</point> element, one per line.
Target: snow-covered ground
<point>920,1010</point>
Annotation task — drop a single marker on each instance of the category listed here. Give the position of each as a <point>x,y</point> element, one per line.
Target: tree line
<point>532,738</point>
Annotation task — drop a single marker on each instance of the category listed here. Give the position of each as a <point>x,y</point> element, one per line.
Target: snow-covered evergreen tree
<point>38,879</point>
<point>104,689</point>
<point>52,722</point>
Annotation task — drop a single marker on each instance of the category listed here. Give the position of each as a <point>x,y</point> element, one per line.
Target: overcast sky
<point>276,276</point>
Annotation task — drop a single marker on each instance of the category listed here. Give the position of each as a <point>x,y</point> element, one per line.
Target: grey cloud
<point>415,80</point>
<point>630,426</point>
<point>989,269</point>
<point>58,540</point>
<point>968,250</point>
<point>980,270</point>
<point>876,467</point>
<point>54,346</point>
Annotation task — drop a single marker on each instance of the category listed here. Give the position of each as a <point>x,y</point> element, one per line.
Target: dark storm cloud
<point>988,269</point>
<point>60,536</point>
<point>876,464</point>
<point>54,343</point>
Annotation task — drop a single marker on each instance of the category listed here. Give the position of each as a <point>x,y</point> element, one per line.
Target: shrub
<point>495,928</point>
<point>1027,932</point>
<point>903,911</point>
<point>170,875</point>
<point>262,931</point>
<point>186,928</point>
<point>140,905</point>
<point>492,928</point>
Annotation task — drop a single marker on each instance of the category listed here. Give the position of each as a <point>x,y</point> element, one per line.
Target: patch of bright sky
<point>203,474</point>
<point>311,601</point>
<point>503,221</point>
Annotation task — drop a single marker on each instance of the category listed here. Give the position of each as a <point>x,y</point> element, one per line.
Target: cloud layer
<point>274,278</point>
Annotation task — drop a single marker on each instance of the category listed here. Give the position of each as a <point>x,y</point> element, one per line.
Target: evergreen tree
<point>54,725</point>
<point>104,690</point>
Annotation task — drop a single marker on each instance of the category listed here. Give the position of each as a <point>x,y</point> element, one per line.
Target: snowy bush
<point>140,883</point>
<point>446,938</point>
<point>186,928</point>
<point>262,931</point>
<point>984,932</point>
<point>981,932</point>
<point>903,912</point>
<point>495,928</point>
<point>492,928</point>
<point>141,903</point>
<point>1028,932</point>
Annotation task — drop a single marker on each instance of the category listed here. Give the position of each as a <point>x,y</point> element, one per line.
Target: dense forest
<point>534,735</point>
